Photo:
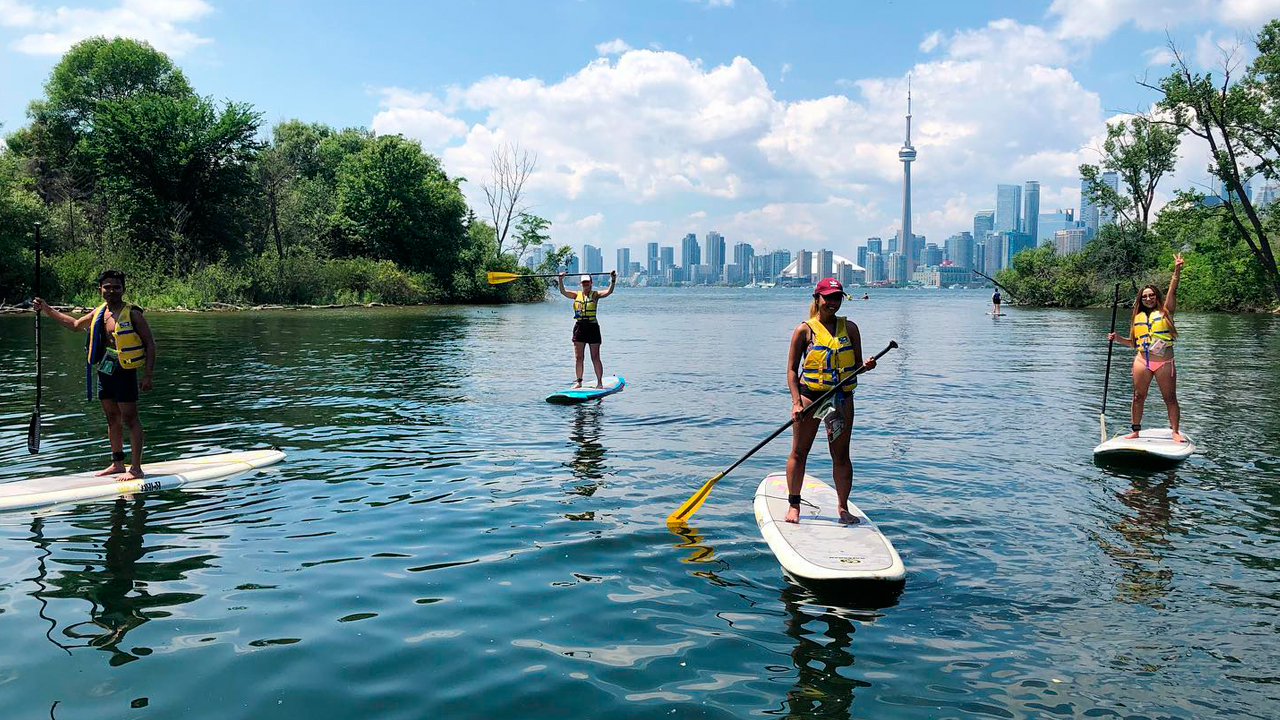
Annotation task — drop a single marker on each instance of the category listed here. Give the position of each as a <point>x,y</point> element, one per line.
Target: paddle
<point>1106,380</point>
<point>691,505</point>
<point>497,278</point>
<point>33,430</point>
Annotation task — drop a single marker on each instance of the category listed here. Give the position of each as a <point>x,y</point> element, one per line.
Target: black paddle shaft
<point>821,398</point>
<point>1106,380</point>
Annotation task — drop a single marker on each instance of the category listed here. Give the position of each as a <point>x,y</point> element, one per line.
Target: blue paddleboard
<point>573,396</point>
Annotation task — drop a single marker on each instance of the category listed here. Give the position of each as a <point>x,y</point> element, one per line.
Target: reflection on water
<point>821,690</point>
<point>1142,537</point>
<point>588,463</point>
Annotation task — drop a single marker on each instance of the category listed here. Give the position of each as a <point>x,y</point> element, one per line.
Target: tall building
<point>1069,240</point>
<point>875,267</point>
<point>984,221</point>
<point>980,256</point>
<point>897,269</point>
<point>932,255</point>
<point>844,273</point>
<point>959,249</point>
<point>1107,216</point>
<point>624,262</point>
<point>1008,206</point>
<point>826,267</point>
<point>651,259</point>
<point>780,260</point>
<point>874,245</point>
<point>1031,208</point>
<point>907,155</point>
<point>666,258</point>
<point>690,253</point>
<point>862,255</point>
<point>592,260</point>
<point>804,263</point>
<point>893,245</point>
<point>573,267</point>
<point>1050,223</point>
<point>743,253</point>
<point>715,251</point>
<point>993,253</point>
<point>1088,209</point>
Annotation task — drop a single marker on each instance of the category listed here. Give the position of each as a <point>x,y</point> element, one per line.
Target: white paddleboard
<point>165,475</point>
<point>571,396</point>
<point>1151,447</point>
<point>820,547</point>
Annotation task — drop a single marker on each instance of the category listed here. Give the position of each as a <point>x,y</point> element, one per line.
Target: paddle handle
<point>1106,379</point>
<point>821,398</point>
<point>36,292</point>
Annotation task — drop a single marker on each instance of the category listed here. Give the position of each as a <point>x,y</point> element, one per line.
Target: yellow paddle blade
<point>497,278</point>
<point>691,505</point>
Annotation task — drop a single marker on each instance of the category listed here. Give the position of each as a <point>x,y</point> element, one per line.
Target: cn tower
<point>907,155</point>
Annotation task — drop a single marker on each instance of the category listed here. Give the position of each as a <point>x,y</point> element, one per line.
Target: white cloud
<point>931,42</point>
<point>52,32</point>
<point>590,222</point>
<point>432,128</point>
<point>617,46</point>
<point>1096,19</point>
<point>1158,56</point>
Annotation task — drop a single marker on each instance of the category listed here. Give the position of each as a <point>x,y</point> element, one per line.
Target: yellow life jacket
<point>584,307</point>
<point>1148,328</point>
<point>129,349</point>
<point>829,358</point>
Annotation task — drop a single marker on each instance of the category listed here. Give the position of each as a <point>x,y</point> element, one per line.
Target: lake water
<point>442,543</point>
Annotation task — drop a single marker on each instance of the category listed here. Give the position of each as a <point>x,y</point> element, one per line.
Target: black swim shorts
<point>120,386</point>
<point>585,331</point>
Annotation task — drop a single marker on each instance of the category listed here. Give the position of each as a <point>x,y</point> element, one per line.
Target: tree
<point>511,168</point>
<point>1140,152</point>
<point>402,205</point>
<point>1239,121</point>
<point>530,232</point>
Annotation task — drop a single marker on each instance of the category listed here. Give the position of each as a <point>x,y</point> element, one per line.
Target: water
<point>441,543</point>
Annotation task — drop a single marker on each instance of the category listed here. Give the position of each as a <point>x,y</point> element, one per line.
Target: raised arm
<point>560,284</point>
<point>613,283</point>
<point>71,323</point>
<point>1169,298</point>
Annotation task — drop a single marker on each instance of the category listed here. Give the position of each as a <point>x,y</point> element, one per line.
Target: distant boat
<point>767,285</point>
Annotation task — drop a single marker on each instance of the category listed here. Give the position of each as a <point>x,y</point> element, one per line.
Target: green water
<point>442,543</point>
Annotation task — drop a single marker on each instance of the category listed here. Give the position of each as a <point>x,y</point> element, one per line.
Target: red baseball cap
<point>828,286</point>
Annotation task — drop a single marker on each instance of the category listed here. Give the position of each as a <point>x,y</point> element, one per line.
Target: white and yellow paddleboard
<point>820,547</point>
<point>42,492</point>
<point>1154,448</point>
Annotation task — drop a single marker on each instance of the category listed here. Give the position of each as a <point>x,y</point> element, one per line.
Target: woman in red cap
<point>825,352</point>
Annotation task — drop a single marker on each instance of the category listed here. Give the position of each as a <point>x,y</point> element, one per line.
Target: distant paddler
<point>1152,332</point>
<point>995,302</point>
<point>586,329</point>
<point>119,345</point>
<point>826,352</point>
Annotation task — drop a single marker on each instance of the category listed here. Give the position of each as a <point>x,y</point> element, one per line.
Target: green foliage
<point>1039,276</point>
<point>20,208</point>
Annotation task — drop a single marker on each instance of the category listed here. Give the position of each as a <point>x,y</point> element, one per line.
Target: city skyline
<point>775,123</point>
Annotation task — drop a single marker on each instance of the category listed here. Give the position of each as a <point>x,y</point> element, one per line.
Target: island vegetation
<point>1225,237</point>
<point>124,165</point>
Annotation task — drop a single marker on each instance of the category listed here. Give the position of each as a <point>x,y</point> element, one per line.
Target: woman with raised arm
<point>1152,333</point>
<point>586,331</point>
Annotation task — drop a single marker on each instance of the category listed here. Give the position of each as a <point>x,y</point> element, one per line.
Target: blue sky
<point>775,122</point>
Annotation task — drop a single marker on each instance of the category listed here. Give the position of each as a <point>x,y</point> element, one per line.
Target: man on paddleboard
<point>995,302</point>
<point>826,350</point>
<point>120,344</point>
<point>586,331</point>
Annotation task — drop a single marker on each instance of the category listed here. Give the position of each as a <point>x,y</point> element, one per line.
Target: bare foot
<point>1177,437</point>
<point>113,469</point>
<point>576,386</point>
<point>793,515</point>
<point>599,386</point>
<point>134,473</point>
<point>1131,435</point>
<point>848,518</point>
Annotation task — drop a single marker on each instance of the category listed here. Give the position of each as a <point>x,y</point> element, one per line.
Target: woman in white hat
<point>586,331</point>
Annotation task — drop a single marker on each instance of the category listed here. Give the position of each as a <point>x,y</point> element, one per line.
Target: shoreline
<point>24,308</point>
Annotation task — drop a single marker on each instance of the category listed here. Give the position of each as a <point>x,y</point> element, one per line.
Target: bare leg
<point>842,465</point>
<point>1167,380</point>
<point>802,434</point>
<point>578,350</point>
<point>129,418</point>
<point>595,363</point>
<point>1141,383</point>
<point>115,436</point>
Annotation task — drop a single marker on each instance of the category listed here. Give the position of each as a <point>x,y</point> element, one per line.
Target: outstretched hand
<point>1178,262</point>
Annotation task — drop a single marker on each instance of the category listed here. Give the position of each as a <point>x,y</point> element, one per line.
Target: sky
<point>773,122</point>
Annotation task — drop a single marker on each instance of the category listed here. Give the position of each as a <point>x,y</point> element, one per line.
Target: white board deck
<point>820,547</point>
<point>571,396</point>
<point>1154,446</point>
<point>41,492</point>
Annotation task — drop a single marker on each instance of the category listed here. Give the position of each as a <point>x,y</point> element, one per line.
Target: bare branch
<point>504,192</point>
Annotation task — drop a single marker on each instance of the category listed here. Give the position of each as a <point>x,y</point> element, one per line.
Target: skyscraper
<point>592,259</point>
<point>984,221</point>
<point>875,267</point>
<point>1008,202</point>
<point>1088,209</point>
<point>624,262</point>
<point>651,259</point>
<point>690,253</point>
<point>804,263</point>
<point>907,155</point>
<point>780,260</point>
<point>1106,215</point>
<point>743,253</point>
<point>1031,208</point>
<point>874,244</point>
<point>826,264</point>
<point>715,251</point>
<point>862,256</point>
<point>960,249</point>
<point>666,258</point>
